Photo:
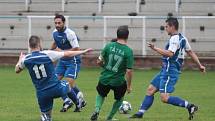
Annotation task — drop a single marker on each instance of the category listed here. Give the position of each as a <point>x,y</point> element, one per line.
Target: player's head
<point>34,42</point>
<point>171,25</point>
<point>122,32</point>
<point>59,22</point>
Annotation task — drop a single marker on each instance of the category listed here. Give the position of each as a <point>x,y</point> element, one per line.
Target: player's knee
<point>164,98</point>
<point>71,82</point>
<point>150,91</point>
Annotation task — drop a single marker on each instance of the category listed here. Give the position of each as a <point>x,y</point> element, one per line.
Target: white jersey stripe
<point>165,90</point>
<point>41,56</point>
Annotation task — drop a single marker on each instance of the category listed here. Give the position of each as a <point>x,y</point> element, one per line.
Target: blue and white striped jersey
<point>177,44</point>
<point>41,69</point>
<point>65,40</point>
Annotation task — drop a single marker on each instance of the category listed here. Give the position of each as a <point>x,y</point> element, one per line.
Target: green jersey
<point>117,58</point>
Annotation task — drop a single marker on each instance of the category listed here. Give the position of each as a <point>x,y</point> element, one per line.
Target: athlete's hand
<point>88,50</point>
<point>202,68</point>
<point>22,55</point>
<point>151,45</point>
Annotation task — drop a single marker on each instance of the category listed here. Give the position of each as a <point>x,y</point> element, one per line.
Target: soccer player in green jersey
<point>116,59</point>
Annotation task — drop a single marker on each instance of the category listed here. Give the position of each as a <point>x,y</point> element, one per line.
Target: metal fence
<point>96,31</point>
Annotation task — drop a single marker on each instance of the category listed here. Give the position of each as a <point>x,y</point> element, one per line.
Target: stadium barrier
<point>96,31</point>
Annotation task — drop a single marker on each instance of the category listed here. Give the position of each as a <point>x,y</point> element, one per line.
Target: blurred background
<point>95,22</point>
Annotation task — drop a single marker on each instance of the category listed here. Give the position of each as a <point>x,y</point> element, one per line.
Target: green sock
<point>115,108</point>
<point>99,102</point>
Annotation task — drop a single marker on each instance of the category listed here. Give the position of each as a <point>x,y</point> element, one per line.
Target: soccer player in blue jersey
<point>41,69</point>
<point>68,67</point>
<point>165,80</point>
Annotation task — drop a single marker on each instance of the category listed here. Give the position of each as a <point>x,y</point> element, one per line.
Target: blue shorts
<point>67,68</point>
<point>166,79</point>
<point>46,98</point>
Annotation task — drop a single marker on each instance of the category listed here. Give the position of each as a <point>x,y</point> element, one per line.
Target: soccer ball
<point>125,108</point>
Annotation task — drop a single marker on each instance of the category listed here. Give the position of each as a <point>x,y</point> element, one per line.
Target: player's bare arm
<point>18,69</point>
<point>53,46</point>
<point>74,53</point>
<point>129,74</point>
<point>160,51</point>
<point>196,60</point>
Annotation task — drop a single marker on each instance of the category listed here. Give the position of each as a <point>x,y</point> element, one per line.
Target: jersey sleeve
<point>53,55</point>
<point>73,39</point>
<point>21,64</point>
<point>187,46</point>
<point>102,55</point>
<point>130,60</point>
<point>173,43</point>
<point>53,32</point>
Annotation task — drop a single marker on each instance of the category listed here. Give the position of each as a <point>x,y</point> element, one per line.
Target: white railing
<point>142,29</point>
<point>99,5</point>
<point>87,7</point>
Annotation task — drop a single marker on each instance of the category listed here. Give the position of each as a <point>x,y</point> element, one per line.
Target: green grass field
<point>18,102</point>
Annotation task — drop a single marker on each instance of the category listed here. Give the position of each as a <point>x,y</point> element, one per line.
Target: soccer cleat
<point>45,117</point>
<point>192,109</point>
<point>136,115</point>
<point>77,109</point>
<point>94,116</point>
<point>83,104</point>
<point>66,106</point>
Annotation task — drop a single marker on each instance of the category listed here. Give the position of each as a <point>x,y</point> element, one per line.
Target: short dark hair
<point>34,41</point>
<point>61,17</point>
<point>122,32</point>
<point>171,21</point>
<point>114,40</point>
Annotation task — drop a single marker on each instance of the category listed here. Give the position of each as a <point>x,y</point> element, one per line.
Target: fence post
<point>26,5</point>
<point>99,6</point>
<point>63,5</point>
<point>105,30</point>
<point>144,37</point>
<point>137,6</point>
<point>183,26</point>
<point>177,6</point>
<point>29,31</point>
<point>67,21</point>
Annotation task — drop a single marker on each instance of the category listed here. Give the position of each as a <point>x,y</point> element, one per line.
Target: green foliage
<point>18,101</point>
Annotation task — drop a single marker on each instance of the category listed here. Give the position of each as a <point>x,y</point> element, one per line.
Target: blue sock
<point>146,104</point>
<point>72,95</point>
<point>75,88</point>
<point>177,101</point>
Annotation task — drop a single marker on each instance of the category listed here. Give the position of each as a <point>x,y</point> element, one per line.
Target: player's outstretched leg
<point>177,101</point>
<point>192,109</point>
<point>80,96</point>
<point>74,98</point>
<point>146,104</point>
<point>98,106</point>
<point>114,109</point>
